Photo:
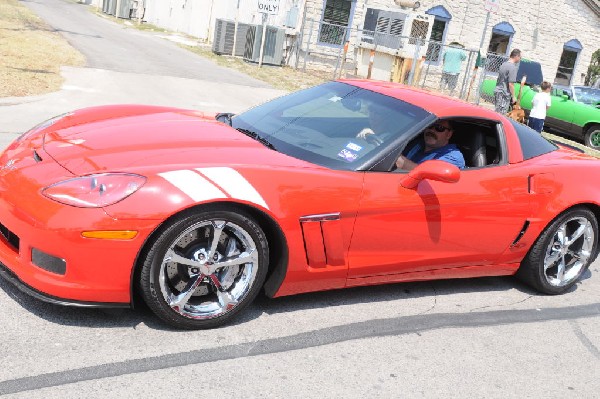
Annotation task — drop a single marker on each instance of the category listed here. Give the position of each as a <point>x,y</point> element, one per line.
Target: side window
<point>477,139</point>
<point>479,142</point>
<point>532,143</point>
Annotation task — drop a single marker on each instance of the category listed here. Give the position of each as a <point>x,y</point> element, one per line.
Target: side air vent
<point>521,233</point>
<point>323,240</point>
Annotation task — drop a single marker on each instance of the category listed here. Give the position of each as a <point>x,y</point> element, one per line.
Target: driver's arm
<point>364,133</point>
<point>405,163</point>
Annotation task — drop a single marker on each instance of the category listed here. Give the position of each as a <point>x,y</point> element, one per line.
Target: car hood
<point>165,138</point>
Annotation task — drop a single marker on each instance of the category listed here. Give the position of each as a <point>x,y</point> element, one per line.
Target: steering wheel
<point>373,139</point>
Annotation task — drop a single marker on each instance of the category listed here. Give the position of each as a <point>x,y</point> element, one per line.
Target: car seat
<point>472,145</point>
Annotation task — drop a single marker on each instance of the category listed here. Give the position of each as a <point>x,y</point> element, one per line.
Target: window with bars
<point>434,49</point>
<point>336,18</point>
<point>568,61</point>
<point>437,38</point>
<point>566,66</point>
<point>418,32</point>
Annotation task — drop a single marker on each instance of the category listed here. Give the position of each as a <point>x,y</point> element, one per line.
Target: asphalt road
<point>487,337</point>
<point>125,65</point>
<point>114,47</point>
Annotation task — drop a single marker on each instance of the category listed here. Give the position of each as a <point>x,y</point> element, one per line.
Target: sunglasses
<point>440,128</point>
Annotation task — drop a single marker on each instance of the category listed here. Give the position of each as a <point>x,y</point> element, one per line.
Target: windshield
<point>321,124</point>
<point>587,95</point>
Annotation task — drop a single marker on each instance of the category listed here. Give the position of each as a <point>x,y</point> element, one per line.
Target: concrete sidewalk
<point>86,87</point>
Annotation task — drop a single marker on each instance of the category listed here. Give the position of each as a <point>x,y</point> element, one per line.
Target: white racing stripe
<point>193,184</point>
<point>234,184</point>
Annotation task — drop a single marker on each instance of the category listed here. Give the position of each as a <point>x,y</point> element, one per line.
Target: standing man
<point>504,93</point>
<point>453,58</point>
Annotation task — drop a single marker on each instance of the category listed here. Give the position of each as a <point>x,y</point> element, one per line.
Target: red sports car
<point>197,214</point>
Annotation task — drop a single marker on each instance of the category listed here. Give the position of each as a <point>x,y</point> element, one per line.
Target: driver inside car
<point>433,145</point>
<point>380,125</point>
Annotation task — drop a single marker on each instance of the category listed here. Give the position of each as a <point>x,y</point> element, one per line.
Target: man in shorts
<point>504,93</point>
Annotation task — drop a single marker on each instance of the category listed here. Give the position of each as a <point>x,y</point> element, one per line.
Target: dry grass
<point>560,139</point>
<point>284,78</point>
<point>32,53</point>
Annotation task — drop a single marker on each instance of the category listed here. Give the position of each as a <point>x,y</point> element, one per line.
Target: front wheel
<point>592,137</point>
<point>562,253</point>
<point>205,268</point>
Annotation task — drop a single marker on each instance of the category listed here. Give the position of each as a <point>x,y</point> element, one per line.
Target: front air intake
<point>11,238</point>
<point>48,262</point>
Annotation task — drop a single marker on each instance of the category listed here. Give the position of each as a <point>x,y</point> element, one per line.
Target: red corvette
<point>196,215</point>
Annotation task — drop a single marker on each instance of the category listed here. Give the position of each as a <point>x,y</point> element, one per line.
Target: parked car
<point>196,216</point>
<point>575,110</point>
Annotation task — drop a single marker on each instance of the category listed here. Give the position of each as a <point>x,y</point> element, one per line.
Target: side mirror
<point>224,117</point>
<point>564,96</point>
<point>431,170</point>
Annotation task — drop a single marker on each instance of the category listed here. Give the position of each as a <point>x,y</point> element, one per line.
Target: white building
<point>560,34</point>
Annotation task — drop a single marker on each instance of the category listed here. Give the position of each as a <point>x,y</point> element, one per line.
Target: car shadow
<point>389,292</point>
<point>120,318</point>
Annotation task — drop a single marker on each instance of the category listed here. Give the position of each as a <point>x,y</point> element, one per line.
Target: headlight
<point>95,191</point>
<point>42,126</point>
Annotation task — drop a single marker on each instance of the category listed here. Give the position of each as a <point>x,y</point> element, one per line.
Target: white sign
<point>492,5</point>
<point>270,7</point>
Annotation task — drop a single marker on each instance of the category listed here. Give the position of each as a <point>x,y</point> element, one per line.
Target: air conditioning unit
<point>109,7</point>
<point>396,32</point>
<point>124,10</point>
<point>274,43</point>
<point>223,39</point>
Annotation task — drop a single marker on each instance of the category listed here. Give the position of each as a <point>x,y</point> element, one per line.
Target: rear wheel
<point>204,269</point>
<point>562,253</point>
<point>592,137</point>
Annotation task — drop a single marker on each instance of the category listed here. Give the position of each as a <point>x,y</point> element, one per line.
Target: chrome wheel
<point>569,251</point>
<point>208,269</point>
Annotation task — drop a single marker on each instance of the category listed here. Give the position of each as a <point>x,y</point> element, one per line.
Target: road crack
<point>502,305</point>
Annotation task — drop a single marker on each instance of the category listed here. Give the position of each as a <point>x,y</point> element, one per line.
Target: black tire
<point>592,137</point>
<point>158,262</point>
<point>532,269</point>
